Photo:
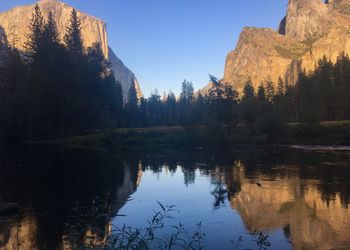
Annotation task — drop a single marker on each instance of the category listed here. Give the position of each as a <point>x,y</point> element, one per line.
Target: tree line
<point>218,113</point>
<point>319,95</point>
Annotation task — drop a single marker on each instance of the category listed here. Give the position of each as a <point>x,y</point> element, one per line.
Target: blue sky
<point>166,41</point>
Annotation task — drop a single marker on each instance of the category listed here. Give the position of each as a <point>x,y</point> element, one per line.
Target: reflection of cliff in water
<point>300,199</point>
<point>18,232</point>
<point>303,194</point>
<point>56,188</point>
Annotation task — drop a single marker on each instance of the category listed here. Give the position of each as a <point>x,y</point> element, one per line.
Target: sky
<point>166,41</point>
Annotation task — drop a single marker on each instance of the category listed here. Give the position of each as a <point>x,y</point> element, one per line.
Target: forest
<point>56,89</point>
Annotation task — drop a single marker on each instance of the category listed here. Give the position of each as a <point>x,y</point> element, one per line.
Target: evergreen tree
<point>280,87</point>
<point>50,33</point>
<point>132,107</point>
<point>13,95</point>
<point>323,77</point>
<point>35,37</point>
<point>199,110</point>
<point>170,106</point>
<point>143,113</point>
<point>261,99</point>
<point>222,104</point>
<point>308,110</point>
<point>103,93</point>
<point>185,103</point>
<point>342,87</point>
<point>155,109</point>
<point>249,105</point>
<point>230,108</point>
<point>73,38</point>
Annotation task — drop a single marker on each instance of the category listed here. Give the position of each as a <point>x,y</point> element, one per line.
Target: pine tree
<point>155,109</point>
<point>185,102</point>
<point>170,107</point>
<point>143,113</point>
<point>36,28</point>
<point>249,105</point>
<point>261,98</point>
<point>13,95</point>
<point>46,79</point>
<point>222,104</point>
<point>307,99</point>
<point>132,106</point>
<point>199,110</point>
<point>342,87</point>
<point>323,77</point>
<point>280,87</point>
<point>50,32</point>
<point>73,38</point>
<point>187,92</point>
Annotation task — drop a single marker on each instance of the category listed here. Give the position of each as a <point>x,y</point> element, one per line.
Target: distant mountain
<point>15,24</point>
<point>310,30</point>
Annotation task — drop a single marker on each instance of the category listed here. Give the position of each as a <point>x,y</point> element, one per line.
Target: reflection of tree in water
<point>220,190</point>
<point>189,175</point>
<point>61,188</point>
<point>86,189</point>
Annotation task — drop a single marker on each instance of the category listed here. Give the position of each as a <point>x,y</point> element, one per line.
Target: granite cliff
<point>15,24</point>
<point>310,30</point>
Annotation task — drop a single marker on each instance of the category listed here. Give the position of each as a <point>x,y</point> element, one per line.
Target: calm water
<point>299,199</point>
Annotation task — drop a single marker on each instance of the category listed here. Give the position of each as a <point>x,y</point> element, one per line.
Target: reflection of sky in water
<point>302,197</point>
<point>195,204</point>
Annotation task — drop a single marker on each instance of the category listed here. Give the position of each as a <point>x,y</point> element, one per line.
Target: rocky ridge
<point>15,24</point>
<point>310,30</point>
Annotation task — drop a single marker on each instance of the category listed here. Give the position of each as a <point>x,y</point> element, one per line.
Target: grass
<point>162,231</point>
<point>322,133</point>
<point>127,137</point>
<point>297,50</point>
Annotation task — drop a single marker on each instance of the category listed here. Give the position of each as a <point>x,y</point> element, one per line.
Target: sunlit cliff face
<point>310,30</point>
<point>98,228</point>
<point>297,206</point>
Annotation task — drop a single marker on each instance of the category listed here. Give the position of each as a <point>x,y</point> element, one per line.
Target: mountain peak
<point>306,18</point>
<point>42,1</point>
<point>49,2</point>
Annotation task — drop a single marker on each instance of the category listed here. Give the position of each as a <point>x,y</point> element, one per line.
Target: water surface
<point>299,199</point>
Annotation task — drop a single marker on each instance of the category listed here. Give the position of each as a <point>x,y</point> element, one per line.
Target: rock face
<point>304,18</point>
<point>15,23</point>
<point>123,75</point>
<point>310,30</point>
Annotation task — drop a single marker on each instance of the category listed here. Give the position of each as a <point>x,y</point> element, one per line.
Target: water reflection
<point>59,190</point>
<point>70,196</point>
<point>310,217</point>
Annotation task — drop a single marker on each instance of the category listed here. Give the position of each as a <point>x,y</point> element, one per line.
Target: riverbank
<point>299,136</point>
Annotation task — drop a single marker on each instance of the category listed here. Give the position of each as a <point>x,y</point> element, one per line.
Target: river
<point>298,199</point>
